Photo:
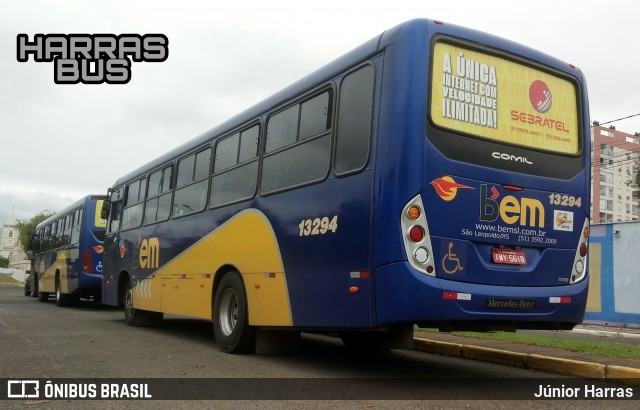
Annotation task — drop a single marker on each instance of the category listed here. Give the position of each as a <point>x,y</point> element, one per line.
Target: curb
<point>568,367</point>
<point>607,333</point>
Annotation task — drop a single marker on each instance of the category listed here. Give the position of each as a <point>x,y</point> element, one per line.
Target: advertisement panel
<point>498,99</point>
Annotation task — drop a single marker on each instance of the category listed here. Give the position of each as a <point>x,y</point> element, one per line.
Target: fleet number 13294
<point>318,226</point>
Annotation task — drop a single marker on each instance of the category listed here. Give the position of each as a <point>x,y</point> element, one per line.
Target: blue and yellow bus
<point>435,176</point>
<point>66,253</point>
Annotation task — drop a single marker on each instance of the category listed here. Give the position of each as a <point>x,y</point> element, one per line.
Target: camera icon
<point>23,389</point>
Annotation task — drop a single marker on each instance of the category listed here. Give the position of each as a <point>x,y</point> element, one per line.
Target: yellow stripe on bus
<point>47,282</point>
<point>247,242</point>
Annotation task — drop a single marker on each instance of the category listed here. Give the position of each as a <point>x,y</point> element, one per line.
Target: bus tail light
<point>416,233</point>
<point>417,241</point>
<point>87,261</point>
<point>414,212</point>
<point>583,249</point>
<point>580,260</point>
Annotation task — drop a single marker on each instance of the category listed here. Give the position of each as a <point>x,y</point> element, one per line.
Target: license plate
<point>509,256</point>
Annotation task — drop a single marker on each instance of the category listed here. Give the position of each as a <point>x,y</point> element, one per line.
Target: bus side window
<point>66,234</point>
<point>133,207</point>
<point>235,172</point>
<point>158,204</point>
<point>44,238</point>
<point>55,238</point>
<point>77,223</point>
<point>353,135</point>
<point>192,183</point>
<point>305,157</point>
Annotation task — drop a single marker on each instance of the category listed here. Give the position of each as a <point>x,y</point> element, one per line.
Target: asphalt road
<point>42,341</point>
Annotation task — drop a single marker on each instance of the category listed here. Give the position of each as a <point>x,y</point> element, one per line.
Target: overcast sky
<point>60,142</point>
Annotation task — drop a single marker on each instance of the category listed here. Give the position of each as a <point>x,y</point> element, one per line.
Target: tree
<point>28,227</point>
<point>4,262</point>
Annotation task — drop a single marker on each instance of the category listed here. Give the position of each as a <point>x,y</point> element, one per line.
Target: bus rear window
<point>501,100</point>
<point>98,221</point>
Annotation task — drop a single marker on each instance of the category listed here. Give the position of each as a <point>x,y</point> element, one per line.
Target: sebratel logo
<point>540,96</point>
<point>447,188</point>
<point>541,100</point>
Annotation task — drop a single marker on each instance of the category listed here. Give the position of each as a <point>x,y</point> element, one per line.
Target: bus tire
<point>61,299</point>
<point>231,316</point>
<point>27,291</point>
<point>138,317</point>
<point>43,296</point>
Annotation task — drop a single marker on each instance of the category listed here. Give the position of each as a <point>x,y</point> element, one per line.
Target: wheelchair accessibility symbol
<point>451,262</point>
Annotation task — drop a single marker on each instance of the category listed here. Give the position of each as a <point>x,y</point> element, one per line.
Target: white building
<point>614,156</point>
<point>10,245</point>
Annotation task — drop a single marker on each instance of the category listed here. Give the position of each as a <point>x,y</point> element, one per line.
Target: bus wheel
<point>61,299</point>
<point>231,317</point>
<point>27,291</point>
<point>34,287</point>
<point>138,317</point>
<point>42,296</point>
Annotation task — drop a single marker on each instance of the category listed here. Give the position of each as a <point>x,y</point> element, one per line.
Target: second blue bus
<point>66,253</point>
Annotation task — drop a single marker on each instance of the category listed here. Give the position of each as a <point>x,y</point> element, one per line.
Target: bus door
<point>112,212</point>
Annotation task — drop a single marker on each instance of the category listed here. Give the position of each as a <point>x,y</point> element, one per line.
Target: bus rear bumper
<point>405,295</point>
<point>90,280</point>
<point>89,285</point>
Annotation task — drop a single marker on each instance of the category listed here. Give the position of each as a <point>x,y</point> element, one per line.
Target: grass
<point>6,280</point>
<point>608,349</point>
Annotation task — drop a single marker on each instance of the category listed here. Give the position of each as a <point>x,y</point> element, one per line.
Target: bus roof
<point>316,78</point>
<point>74,205</point>
<point>308,82</point>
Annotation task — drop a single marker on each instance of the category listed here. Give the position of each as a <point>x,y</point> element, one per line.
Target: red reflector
<point>87,261</point>
<point>512,188</point>
<point>565,300</point>
<point>416,233</point>
<point>449,295</point>
<point>583,249</point>
<point>364,275</point>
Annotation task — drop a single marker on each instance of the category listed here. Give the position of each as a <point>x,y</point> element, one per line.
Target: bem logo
<point>524,211</point>
<point>149,253</point>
